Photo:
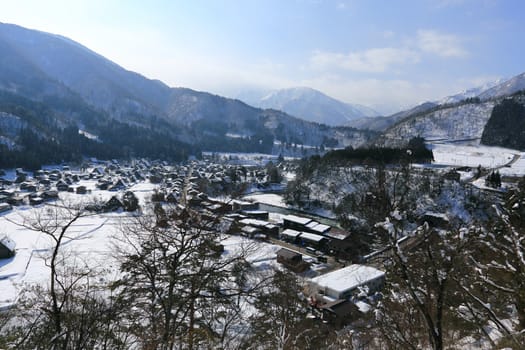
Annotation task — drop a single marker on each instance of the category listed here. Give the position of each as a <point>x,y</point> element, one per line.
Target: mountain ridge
<point>309,104</point>
<point>75,82</point>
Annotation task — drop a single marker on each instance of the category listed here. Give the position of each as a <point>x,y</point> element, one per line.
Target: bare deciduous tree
<point>174,271</point>
<point>73,311</point>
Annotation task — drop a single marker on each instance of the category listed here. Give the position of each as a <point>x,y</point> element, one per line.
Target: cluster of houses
<point>333,296</point>
<point>186,185</point>
<point>45,185</point>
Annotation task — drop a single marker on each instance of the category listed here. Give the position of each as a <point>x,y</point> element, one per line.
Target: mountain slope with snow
<point>463,122</point>
<point>471,92</point>
<point>458,117</point>
<point>312,105</point>
<point>78,87</point>
<point>506,88</point>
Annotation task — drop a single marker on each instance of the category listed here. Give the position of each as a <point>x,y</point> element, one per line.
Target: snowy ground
<point>267,198</point>
<point>510,162</point>
<point>472,156</point>
<point>90,241</point>
<point>516,169</point>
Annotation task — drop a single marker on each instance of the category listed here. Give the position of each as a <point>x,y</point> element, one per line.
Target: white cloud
<point>220,75</point>
<point>376,60</point>
<point>444,45</point>
<point>381,60</point>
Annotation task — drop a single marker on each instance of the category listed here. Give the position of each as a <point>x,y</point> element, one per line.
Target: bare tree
<point>173,271</point>
<point>420,303</point>
<point>73,311</point>
<point>280,321</point>
<point>495,287</point>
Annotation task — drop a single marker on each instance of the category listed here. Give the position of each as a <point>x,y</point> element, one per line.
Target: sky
<point>385,54</point>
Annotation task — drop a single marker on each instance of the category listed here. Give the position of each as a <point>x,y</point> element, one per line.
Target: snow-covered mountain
<point>80,88</point>
<point>458,117</point>
<point>383,123</point>
<point>456,123</point>
<point>505,88</point>
<point>309,104</point>
<point>471,92</point>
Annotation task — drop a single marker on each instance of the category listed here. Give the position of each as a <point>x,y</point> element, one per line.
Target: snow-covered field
<point>267,198</point>
<point>472,156</point>
<point>517,168</point>
<point>510,162</point>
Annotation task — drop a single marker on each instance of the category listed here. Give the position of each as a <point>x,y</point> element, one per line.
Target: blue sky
<point>384,54</point>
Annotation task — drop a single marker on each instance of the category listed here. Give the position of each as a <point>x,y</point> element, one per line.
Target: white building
<point>342,283</point>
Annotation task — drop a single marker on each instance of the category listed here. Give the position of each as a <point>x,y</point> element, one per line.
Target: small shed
<point>113,204</point>
<point>292,260</point>
<point>339,312</point>
<point>290,235</point>
<point>62,186</point>
<point>7,247</point>
<point>5,207</point>
<point>81,189</point>
<point>433,219</point>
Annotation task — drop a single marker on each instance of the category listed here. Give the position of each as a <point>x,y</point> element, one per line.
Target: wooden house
<point>7,247</point>
<point>295,222</point>
<point>62,186</point>
<point>5,207</point>
<point>292,260</point>
<point>290,235</point>
<point>312,240</point>
<point>339,312</point>
<point>81,189</point>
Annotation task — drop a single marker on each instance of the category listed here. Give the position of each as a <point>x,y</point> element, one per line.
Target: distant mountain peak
<point>310,104</point>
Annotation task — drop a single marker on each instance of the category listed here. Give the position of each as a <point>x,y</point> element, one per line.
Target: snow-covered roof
<point>239,202</point>
<point>253,222</point>
<point>312,237</point>
<point>347,278</point>
<point>312,224</point>
<point>8,243</point>
<point>249,229</point>
<point>297,219</point>
<point>337,234</point>
<point>290,233</point>
<point>317,227</point>
<point>255,212</point>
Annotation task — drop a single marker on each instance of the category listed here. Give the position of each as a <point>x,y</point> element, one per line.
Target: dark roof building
<point>7,247</point>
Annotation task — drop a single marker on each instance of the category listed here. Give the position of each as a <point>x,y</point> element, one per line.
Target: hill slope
<point>461,118</point>
<point>506,125</point>
<point>506,88</point>
<point>81,89</point>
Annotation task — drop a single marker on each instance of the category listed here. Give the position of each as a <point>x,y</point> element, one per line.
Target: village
<point>336,287</point>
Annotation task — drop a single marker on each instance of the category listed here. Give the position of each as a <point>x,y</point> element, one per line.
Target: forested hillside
<point>506,125</point>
